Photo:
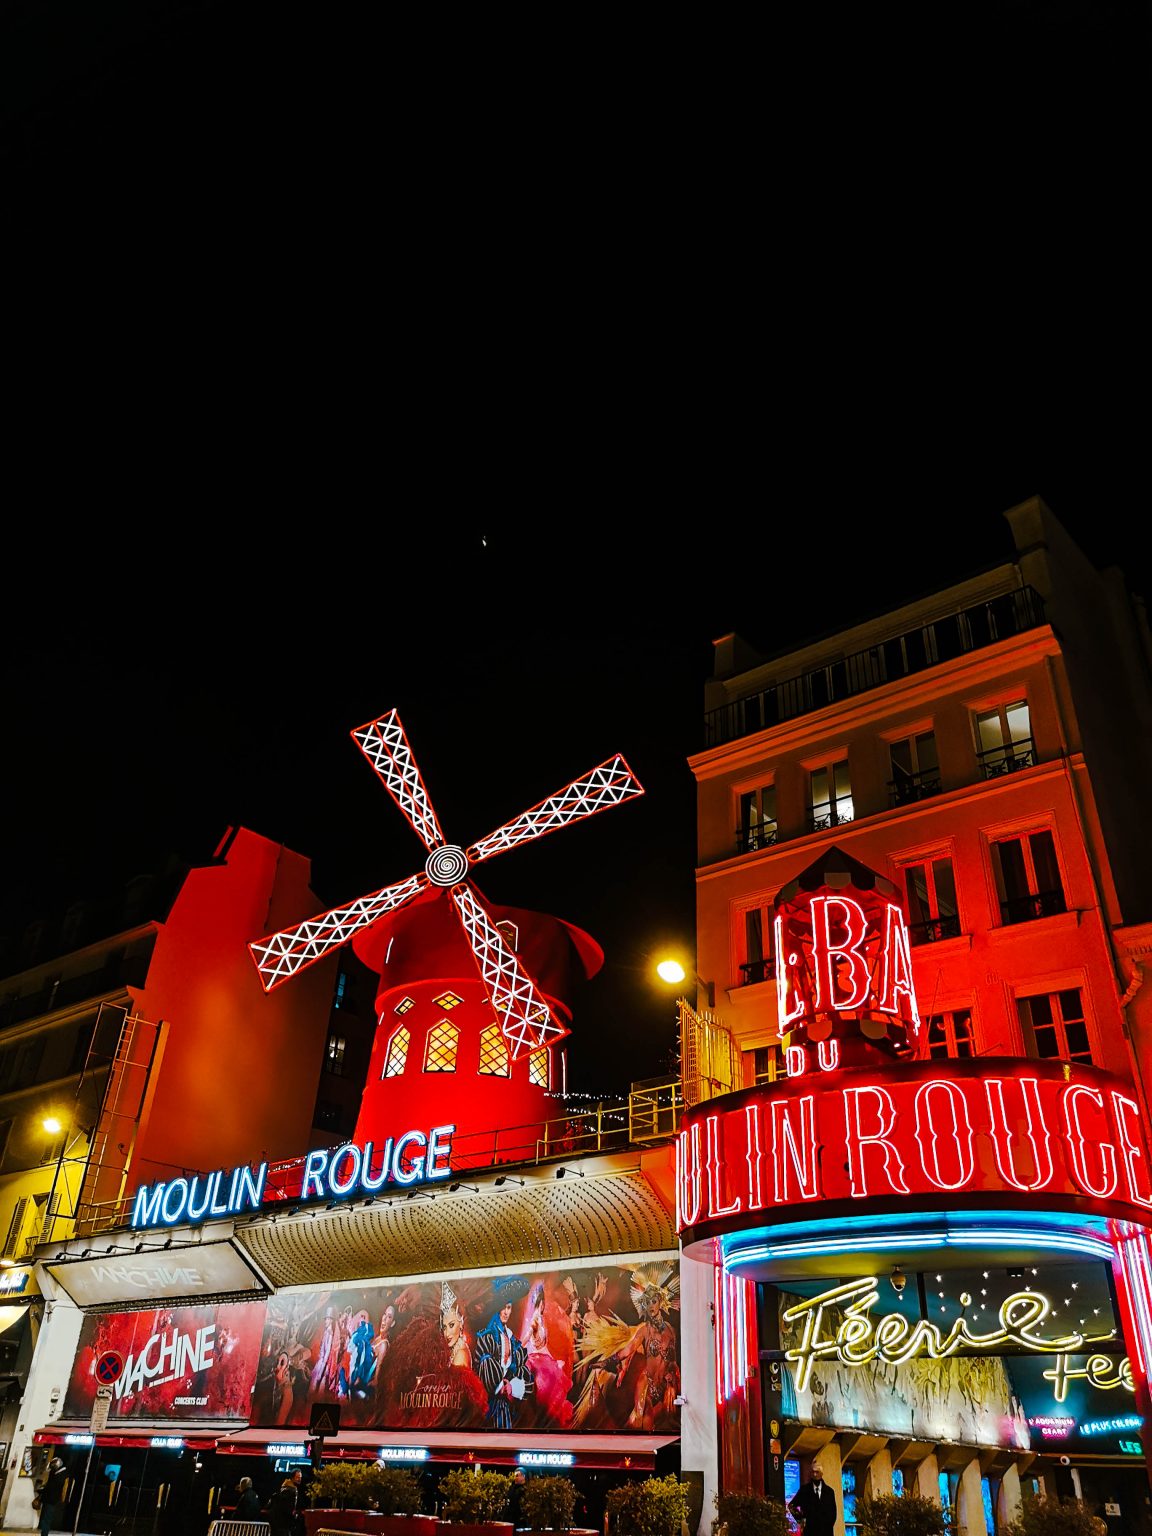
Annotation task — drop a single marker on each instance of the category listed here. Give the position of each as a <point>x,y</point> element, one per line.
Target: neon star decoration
<point>525,1018</point>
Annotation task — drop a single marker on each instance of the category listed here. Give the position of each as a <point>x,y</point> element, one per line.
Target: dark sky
<point>489,375</point>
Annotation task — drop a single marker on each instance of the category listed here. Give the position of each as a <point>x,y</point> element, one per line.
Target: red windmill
<point>468,964</point>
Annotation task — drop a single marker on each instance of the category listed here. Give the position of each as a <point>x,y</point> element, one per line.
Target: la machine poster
<point>594,1348</point>
<point>196,1362</point>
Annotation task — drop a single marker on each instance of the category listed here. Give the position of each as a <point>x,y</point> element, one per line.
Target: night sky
<point>490,379</point>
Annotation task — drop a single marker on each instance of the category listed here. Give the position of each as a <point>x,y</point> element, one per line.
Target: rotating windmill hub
<point>525,1018</point>
<point>446,866</point>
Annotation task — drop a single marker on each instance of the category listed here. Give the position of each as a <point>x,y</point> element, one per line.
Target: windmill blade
<point>386,747</point>
<point>607,785</point>
<point>525,1018</point>
<point>281,955</point>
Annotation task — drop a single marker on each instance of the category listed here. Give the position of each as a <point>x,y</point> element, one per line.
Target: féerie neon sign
<point>348,1171</point>
<point>956,1130</point>
<point>857,1338</point>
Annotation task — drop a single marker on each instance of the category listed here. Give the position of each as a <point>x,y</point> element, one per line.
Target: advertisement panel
<point>195,1362</point>
<point>1012,1357</point>
<point>588,1349</point>
<point>205,1270</point>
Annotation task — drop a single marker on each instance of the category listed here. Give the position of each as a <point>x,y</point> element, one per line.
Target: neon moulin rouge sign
<point>957,1130</point>
<point>348,1172</point>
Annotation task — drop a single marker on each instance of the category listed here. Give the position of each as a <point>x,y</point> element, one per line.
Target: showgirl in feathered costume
<point>639,1360</point>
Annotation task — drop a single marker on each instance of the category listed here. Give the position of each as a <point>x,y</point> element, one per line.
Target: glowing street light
<point>673,972</point>
<point>52,1125</point>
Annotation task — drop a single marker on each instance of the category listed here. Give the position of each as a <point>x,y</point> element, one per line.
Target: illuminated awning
<point>11,1316</point>
<point>608,1451</point>
<point>131,1436</point>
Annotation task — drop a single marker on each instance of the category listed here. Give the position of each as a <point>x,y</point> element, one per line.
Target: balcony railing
<point>822,821</point>
<point>998,760</point>
<point>748,839</point>
<point>755,971</point>
<point>929,645</point>
<point>911,787</point>
<point>1025,909</point>
<point>934,930</point>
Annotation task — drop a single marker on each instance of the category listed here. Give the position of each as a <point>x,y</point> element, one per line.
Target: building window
<point>915,769</point>
<point>950,1034</point>
<point>334,1054</point>
<point>1004,739</point>
<point>440,1052</point>
<point>757,964</point>
<point>757,827</point>
<point>930,888</point>
<point>447,1001</point>
<point>1027,877</point>
<point>341,988</point>
<point>493,1052</point>
<point>767,1063</point>
<point>510,933</point>
<point>1054,1026</point>
<point>831,796</point>
<point>397,1053</point>
<point>405,1005</point>
<point>538,1068</point>
<point>25,1227</point>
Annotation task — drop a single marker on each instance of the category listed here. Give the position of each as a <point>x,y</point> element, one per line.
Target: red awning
<point>611,1451</point>
<point>131,1435</point>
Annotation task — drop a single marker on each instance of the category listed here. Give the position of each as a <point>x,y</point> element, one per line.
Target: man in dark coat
<point>814,1505</point>
<point>51,1495</point>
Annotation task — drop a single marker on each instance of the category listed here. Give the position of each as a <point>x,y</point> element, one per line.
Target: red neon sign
<point>953,1131</point>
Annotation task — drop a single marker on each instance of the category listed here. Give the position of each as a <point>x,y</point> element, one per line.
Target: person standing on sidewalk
<point>51,1494</point>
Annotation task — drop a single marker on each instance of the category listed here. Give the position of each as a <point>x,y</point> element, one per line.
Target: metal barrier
<point>239,1528</point>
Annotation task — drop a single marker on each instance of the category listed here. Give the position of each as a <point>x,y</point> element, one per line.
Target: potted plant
<point>749,1514</point>
<point>367,1496</point>
<point>656,1506</point>
<point>474,1503</point>
<point>1056,1517</point>
<point>887,1514</point>
<point>337,1498</point>
<point>548,1503</point>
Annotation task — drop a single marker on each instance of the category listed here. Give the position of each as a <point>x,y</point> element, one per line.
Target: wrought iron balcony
<point>748,839</point>
<point>929,645</point>
<point>934,930</point>
<point>1024,909</point>
<point>999,760</point>
<point>755,971</point>
<point>822,821</point>
<point>911,787</point>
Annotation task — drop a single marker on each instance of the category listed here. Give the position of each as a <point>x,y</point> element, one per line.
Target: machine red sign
<point>954,1130</point>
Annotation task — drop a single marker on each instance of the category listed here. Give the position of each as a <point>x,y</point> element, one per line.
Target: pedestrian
<point>285,1517</point>
<point>50,1494</point>
<point>516,1497</point>
<point>814,1505</point>
<point>248,1502</point>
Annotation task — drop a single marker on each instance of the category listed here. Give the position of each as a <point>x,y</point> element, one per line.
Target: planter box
<point>317,1520</point>
<point>488,1528</point>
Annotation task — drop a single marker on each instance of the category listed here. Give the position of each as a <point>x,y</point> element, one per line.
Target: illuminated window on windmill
<point>397,1053</point>
<point>538,1068</point>
<point>405,1005</point>
<point>493,1052</point>
<point>510,933</point>
<point>440,1053</point>
<point>447,1001</point>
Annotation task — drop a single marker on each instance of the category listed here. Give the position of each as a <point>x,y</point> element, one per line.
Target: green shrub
<point>547,1503</point>
<point>474,1498</point>
<point>339,1485</point>
<point>393,1490</point>
<point>658,1506</point>
<point>364,1485</point>
<point>888,1515</point>
<point>750,1514</point>
<point>1055,1517</point>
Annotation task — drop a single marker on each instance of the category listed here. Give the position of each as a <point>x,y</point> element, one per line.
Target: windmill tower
<point>473,998</point>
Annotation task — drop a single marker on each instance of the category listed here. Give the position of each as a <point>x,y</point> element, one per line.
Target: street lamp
<point>673,972</point>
